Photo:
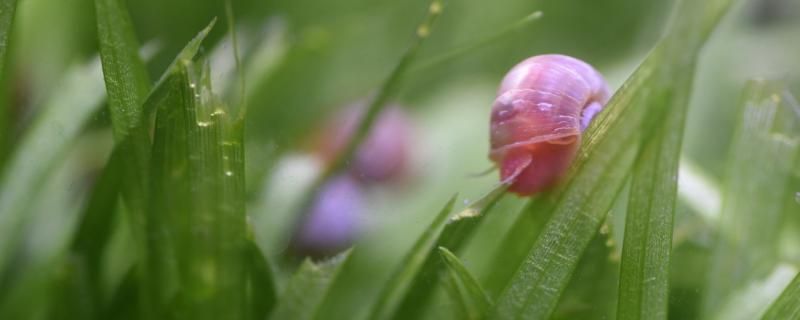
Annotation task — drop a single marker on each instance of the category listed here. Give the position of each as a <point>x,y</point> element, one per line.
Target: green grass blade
<point>787,306</point>
<point>457,230</point>
<point>126,78</point>
<point>7,10</point>
<point>477,301</point>
<point>644,270</point>
<point>764,150</point>
<point>602,166</point>
<point>307,288</point>
<point>197,215</point>
<point>479,43</point>
<point>46,142</point>
<point>261,286</point>
<point>130,155</point>
<point>394,291</point>
<point>591,293</point>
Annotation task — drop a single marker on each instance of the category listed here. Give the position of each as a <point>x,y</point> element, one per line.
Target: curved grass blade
<point>399,283</point>
<point>787,306</point>
<point>602,166</point>
<point>7,10</point>
<point>455,235</point>
<point>308,288</point>
<point>46,142</point>
<point>764,150</point>
<point>126,78</point>
<point>476,301</point>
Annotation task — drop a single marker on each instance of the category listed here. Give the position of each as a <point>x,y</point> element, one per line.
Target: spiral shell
<point>543,105</point>
<point>383,156</point>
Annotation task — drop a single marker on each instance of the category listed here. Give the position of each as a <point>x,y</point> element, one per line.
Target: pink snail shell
<point>543,105</point>
<point>385,154</point>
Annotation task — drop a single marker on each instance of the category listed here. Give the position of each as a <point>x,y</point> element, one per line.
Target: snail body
<point>543,105</point>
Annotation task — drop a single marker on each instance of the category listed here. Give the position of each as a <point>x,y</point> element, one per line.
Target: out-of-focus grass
<point>180,244</point>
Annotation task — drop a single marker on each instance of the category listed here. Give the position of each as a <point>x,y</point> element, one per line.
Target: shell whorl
<point>542,106</point>
<point>542,99</point>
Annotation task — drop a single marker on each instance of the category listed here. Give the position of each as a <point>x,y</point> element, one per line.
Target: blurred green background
<point>320,56</point>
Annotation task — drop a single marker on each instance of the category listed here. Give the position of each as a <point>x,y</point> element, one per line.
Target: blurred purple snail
<point>333,220</point>
<point>543,105</point>
<point>384,154</point>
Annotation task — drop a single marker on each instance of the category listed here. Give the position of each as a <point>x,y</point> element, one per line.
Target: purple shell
<point>543,105</point>
<point>332,223</point>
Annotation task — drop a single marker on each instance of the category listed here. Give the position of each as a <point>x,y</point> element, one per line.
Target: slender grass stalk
<point>479,43</point>
<point>386,91</point>
<point>394,291</point>
<point>458,230</point>
<point>476,301</point>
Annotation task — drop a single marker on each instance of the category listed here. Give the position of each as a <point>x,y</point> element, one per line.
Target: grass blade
<point>386,91</point>
<point>591,293</point>
<point>458,229</point>
<point>308,288</point>
<point>46,142</point>
<point>477,301</point>
<point>7,10</point>
<point>197,211</point>
<point>261,287</point>
<point>126,78</point>
<point>602,166</point>
<point>394,291</point>
<point>787,306</point>
<point>644,270</point>
<point>764,150</point>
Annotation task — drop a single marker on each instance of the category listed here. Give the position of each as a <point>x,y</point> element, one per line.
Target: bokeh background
<point>308,59</point>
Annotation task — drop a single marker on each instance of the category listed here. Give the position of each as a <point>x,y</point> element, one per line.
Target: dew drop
<point>229,173</point>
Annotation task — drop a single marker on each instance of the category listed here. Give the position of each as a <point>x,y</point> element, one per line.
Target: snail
<point>385,154</point>
<point>332,223</point>
<point>543,105</point>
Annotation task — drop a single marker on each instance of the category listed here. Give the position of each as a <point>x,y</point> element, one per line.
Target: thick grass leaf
<point>44,145</point>
<point>475,300</point>
<point>196,218</point>
<point>787,306</point>
<point>128,159</point>
<point>603,165</point>
<point>644,270</point>
<point>764,151</point>
<point>307,288</point>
